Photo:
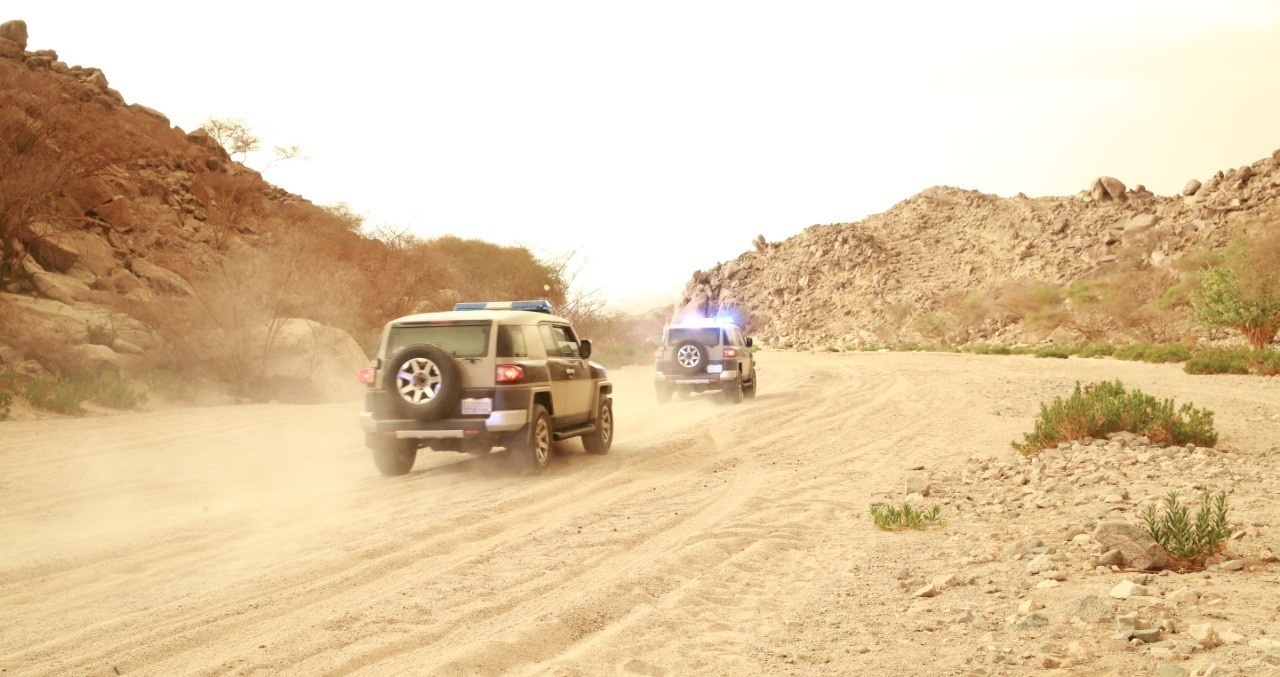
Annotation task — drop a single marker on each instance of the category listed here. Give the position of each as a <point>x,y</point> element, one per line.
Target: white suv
<point>704,355</point>
<point>494,374</point>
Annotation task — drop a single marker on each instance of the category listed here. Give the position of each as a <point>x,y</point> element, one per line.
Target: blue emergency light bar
<point>537,305</point>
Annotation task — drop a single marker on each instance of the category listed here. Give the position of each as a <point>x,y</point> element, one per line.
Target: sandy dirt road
<point>712,540</point>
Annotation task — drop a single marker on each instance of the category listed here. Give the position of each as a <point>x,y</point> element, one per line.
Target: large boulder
<point>323,357</point>
<point>161,278</point>
<point>14,31</point>
<point>1137,548</point>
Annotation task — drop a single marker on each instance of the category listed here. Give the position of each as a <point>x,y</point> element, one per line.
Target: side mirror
<point>748,341</point>
<point>584,348</point>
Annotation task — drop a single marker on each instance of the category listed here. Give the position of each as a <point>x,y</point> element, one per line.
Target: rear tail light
<point>730,353</point>
<point>509,373</point>
<point>365,375</point>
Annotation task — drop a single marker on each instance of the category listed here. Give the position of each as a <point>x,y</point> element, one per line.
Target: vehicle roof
<point>504,316</point>
<point>702,324</point>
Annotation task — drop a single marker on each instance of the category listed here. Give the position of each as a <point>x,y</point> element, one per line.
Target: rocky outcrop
<point>837,285</point>
<point>131,235</point>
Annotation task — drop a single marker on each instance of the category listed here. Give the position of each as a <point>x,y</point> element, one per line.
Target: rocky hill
<point>130,245</point>
<point>843,285</point>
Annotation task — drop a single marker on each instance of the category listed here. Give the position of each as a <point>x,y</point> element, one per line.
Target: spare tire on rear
<point>689,357</point>
<point>423,382</point>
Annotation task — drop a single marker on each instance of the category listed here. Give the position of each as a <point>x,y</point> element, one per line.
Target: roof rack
<point>535,305</point>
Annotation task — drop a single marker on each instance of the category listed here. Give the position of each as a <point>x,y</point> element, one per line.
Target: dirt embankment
<point>712,540</point>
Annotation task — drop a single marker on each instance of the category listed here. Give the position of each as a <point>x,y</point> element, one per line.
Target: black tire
<point>732,391</point>
<point>394,456</point>
<point>663,392</point>
<point>599,440</point>
<point>531,448</point>
<point>750,389</point>
<point>689,357</point>
<point>423,382</point>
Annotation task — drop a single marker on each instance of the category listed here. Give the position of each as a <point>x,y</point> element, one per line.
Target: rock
<point>1171,670</point>
<point>1040,564</point>
<point>59,287</point>
<point>1140,223</point>
<point>10,49</point>
<point>55,252</point>
<point>16,32</point>
<point>1205,635</point>
<point>1127,589</point>
<point>1035,620</point>
<point>1107,188</point>
<point>88,193</point>
<point>1232,565</point>
<point>1112,557</point>
<point>918,485</point>
<point>1092,609</point>
<point>118,214</point>
<point>1192,187</point>
<point>95,358</point>
<point>161,277</point>
<point>929,590</point>
<point>1183,596</point>
<point>1138,549</point>
<point>322,357</point>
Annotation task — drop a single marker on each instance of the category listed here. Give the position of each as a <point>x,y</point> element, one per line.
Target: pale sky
<point>657,138</point>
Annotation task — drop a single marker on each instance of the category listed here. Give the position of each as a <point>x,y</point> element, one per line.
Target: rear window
<point>459,339</point>
<point>707,336</point>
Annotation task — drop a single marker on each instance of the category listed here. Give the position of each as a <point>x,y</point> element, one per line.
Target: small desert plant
<point>1189,541</point>
<point>1058,352</point>
<point>988,349</point>
<point>1234,361</point>
<point>169,384</point>
<point>1100,349</point>
<point>110,389</point>
<point>894,518</point>
<point>55,394</point>
<point>1098,409</point>
<point>1153,352</point>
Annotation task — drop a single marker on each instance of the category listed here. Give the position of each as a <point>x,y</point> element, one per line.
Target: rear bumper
<point>707,380</point>
<point>498,422</point>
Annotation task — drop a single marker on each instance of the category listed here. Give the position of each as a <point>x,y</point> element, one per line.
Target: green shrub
<point>1100,349</point>
<point>55,394</point>
<point>1190,542</point>
<point>1158,353</point>
<point>169,384</point>
<point>1099,409</point>
<point>111,390</point>
<point>893,518</point>
<point>988,349</point>
<point>1058,352</point>
<point>1240,298</point>
<point>1234,361</point>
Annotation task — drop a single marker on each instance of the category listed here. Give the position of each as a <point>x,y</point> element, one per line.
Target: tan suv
<point>702,355</point>
<point>484,375</point>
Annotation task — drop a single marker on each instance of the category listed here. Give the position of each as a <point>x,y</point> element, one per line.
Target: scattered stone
<point>1138,549</point>
<point>1127,589</point>
<point>1172,670</point>
<point>929,590</point>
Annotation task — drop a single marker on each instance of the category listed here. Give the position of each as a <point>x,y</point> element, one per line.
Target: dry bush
<point>895,316</point>
<point>233,203</point>
<point>47,140</point>
<point>1019,300</point>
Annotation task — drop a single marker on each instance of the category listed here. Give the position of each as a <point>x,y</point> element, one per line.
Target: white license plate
<point>715,368</point>
<point>477,405</point>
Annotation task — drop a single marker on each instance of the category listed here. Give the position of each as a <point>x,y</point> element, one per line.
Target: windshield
<point>459,339</point>
<point>707,336</point>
